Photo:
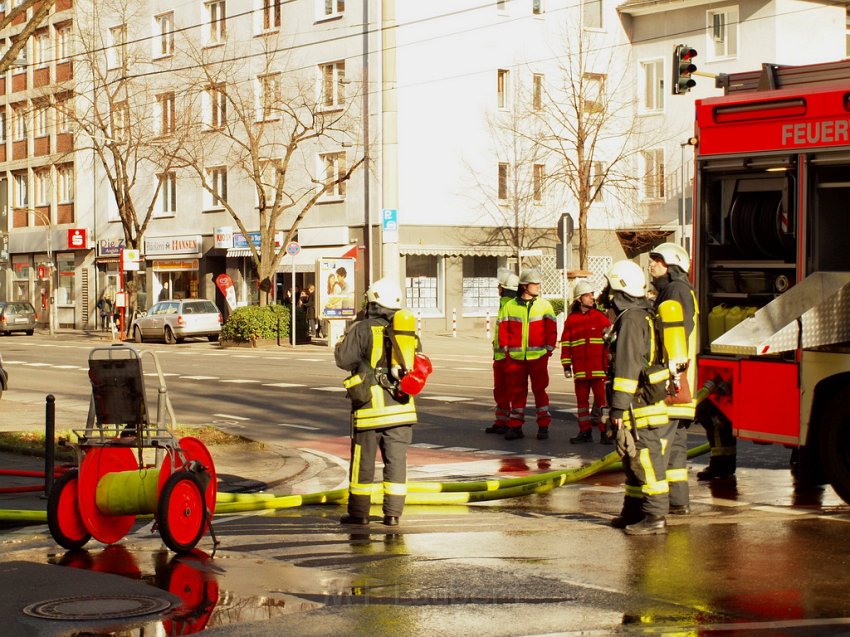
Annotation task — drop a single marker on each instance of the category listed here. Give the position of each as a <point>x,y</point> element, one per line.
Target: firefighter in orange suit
<point>382,415</point>
<point>508,283</point>
<point>637,408</point>
<point>584,357</point>
<point>527,334</point>
<point>668,266</point>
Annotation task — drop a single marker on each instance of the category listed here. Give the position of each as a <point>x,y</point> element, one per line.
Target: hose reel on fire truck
<point>761,225</point>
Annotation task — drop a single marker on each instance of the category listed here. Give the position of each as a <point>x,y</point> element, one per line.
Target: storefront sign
<point>163,246</point>
<point>242,241</point>
<point>223,237</point>
<point>77,239</point>
<point>225,286</point>
<point>110,247</point>
<point>175,264</point>
<point>130,259</point>
<point>335,287</point>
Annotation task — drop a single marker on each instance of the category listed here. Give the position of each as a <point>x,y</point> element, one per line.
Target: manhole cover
<point>100,607</point>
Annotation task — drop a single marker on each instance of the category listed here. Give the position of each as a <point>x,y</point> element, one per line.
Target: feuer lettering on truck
<point>826,132</point>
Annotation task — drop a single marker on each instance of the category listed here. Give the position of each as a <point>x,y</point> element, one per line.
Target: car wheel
<point>30,332</point>
<point>213,338</point>
<point>169,336</point>
<point>137,334</point>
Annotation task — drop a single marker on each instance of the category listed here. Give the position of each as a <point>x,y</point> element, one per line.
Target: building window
<point>167,194</point>
<point>269,181</point>
<point>269,89</point>
<point>65,184</point>
<point>117,53</point>
<point>591,13</point>
<point>166,106</point>
<point>271,15</point>
<point>480,287</point>
<point>216,22</point>
<point>164,35</point>
<point>504,176</point>
<point>40,120</point>
<point>120,121</point>
<point>41,49</point>
<point>63,43</point>
<point>653,173</point>
<point>537,7</point>
<point>332,8</point>
<point>421,283</point>
<point>333,84</point>
<point>21,195</point>
<point>538,179</point>
<point>537,91</point>
<point>652,79</point>
<point>42,187</point>
<point>502,76</point>
<point>333,168</point>
<point>2,124</point>
<point>216,106</point>
<point>217,179</point>
<point>20,123</point>
<point>594,93</point>
<point>64,115</point>
<point>722,33</point>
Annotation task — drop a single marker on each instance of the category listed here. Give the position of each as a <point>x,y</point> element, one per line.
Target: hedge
<point>267,322</point>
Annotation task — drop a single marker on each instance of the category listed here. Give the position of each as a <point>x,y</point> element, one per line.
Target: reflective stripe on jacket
<point>583,346</point>
<point>498,353</point>
<point>527,330</point>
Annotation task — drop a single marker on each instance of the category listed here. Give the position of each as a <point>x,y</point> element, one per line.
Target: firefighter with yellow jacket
<point>382,413</point>
<point>637,410</point>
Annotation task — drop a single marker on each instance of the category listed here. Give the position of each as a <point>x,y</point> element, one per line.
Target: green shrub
<point>557,305</point>
<point>267,322</point>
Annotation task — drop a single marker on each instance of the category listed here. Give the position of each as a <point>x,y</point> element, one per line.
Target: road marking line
<point>782,510</point>
<point>152,373</point>
<point>37,364</point>
<point>311,360</point>
<point>284,385</point>
<point>232,417</point>
<point>447,399</point>
<point>244,356</point>
<point>241,381</point>
<point>200,377</point>
<point>470,369</point>
<point>721,502</point>
<point>65,366</point>
<point>467,449</point>
<point>336,389</point>
<point>283,424</point>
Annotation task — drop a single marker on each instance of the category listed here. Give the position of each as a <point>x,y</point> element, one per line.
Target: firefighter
<point>668,266</point>
<point>724,448</point>
<point>584,357</point>
<point>382,416</point>
<point>637,411</point>
<point>508,283</point>
<point>527,333</point>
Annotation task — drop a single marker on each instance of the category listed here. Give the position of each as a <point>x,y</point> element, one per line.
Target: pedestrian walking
<point>584,357</point>
<point>382,415</point>
<point>527,334</point>
<point>508,283</point>
<point>668,266</point>
<point>637,412</point>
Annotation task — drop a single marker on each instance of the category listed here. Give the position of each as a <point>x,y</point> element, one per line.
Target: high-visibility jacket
<point>498,353</point>
<point>633,357</point>
<point>527,329</point>
<point>675,286</point>
<point>362,351</point>
<point>583,345</point>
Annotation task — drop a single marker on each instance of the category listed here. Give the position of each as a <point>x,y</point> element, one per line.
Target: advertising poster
<point>225,286</point>
<point>335,288</point>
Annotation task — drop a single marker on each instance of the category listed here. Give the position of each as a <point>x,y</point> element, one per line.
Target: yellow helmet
<point>627,276</point>
<point>671,254</point>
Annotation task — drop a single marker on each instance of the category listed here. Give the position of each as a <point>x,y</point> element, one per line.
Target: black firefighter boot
<point>650,525</point>
<point>719,468</point>
<point>585,435</point>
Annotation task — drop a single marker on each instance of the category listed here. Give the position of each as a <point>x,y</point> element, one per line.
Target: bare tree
<point>287,144</point>
<point>41,9</point>
<point>588,123</point>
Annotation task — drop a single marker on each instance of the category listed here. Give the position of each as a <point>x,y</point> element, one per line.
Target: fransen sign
<point>173,246</point>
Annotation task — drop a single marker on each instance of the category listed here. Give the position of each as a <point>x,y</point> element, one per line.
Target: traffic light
<point>683,69</point>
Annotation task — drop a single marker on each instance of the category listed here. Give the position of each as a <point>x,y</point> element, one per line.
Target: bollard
<point>419,323</point>
<point>49,442</point>
<point>454,322</point>
<point>488,325</point>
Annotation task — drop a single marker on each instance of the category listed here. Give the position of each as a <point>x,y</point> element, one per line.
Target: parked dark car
<point>4,377</point>
<point>17,316</point>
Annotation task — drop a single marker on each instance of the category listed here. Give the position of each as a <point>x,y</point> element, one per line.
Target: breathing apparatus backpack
<point>408,367</point>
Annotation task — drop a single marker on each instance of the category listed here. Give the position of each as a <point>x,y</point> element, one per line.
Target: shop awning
<point>305,261</point>
<point>238,252</point>
<point>460,251</point>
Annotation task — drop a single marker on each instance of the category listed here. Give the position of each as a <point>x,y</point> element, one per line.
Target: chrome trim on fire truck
<point>762,436</point>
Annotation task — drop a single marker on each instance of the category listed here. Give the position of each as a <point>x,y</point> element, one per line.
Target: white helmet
<point>582,288</point>
<point>627,276</point>
<point>531,275</point>
<point>502,275</point>
<point>671,254</point>
<point>511,282</point>
<point>386,293</point>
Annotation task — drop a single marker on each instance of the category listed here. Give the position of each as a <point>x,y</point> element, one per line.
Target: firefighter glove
<point>568,372</point>
<point>625,443</point>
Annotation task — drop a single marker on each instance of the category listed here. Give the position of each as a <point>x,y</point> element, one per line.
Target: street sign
<point>389,219</point>
<point>292,248</point>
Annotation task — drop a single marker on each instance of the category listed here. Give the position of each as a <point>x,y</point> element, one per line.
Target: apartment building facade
<point>436,109</point>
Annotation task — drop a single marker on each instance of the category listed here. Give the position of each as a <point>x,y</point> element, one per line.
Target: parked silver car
<point>17,316</point>
<point>172,321</point>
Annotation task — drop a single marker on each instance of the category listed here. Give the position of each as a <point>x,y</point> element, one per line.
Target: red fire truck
<point>772,261</point>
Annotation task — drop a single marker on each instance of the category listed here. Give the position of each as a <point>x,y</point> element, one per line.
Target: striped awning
<point>457,251</point>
